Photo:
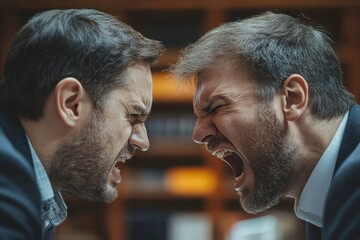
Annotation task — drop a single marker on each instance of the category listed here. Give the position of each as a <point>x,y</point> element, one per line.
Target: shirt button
<point>46,207</point>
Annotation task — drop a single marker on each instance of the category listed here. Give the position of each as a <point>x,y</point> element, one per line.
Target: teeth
<point>122,160</point>
<point>223,153</point>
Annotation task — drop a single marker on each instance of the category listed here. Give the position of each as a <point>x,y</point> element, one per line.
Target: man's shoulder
<point>19,193</point>
<point>349,170</point>
<point>345,185</point>
<point>346,180</point>
<point>13,141</point>
<point>342,214</point>
<point>15,157</point>
<point>15,161</point>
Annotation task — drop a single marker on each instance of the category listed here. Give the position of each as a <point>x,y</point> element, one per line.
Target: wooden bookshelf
<point>178,23</point>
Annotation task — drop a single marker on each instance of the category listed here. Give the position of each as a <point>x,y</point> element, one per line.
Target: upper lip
<point>215,149</point>
<point>127,156</point>
<point>124,157</point>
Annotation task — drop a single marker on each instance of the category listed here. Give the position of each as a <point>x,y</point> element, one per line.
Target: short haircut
<point>272,46</point>
<point>86,44</point>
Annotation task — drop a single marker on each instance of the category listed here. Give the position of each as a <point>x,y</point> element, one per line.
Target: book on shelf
<point>179,181</point>
<point>185,226</point>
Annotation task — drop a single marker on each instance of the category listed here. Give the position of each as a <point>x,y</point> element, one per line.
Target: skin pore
<point>271,158</point>
<point>275,145</point>
<point>81,147</point>
<point>74,170</point>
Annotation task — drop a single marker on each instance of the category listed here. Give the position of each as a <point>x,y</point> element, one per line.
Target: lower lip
<point>239,182</point>
<point>115,174</point>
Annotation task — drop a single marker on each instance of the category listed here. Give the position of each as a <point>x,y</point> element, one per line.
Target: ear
<point>70,101</point>
<point>294,97</point>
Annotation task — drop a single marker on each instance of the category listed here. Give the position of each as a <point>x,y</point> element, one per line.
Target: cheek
<point>123,135</point>
<point>235,128</point>
<point>117,135</point>
<point>228,124</point>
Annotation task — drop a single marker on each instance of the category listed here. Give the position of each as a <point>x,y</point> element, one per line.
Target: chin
<point>106,194</point>
<point>110,194</point>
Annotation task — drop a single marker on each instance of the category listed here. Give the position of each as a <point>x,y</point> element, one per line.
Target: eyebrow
<point>212,100</point>
<point>140,110</point>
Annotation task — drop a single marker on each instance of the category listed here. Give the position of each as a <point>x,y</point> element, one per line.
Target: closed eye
<point>208,111</point>
<point>137,114</point>
<point>215,109</point>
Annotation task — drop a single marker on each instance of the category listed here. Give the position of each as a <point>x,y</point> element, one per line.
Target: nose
<point>139,138</point>
<point>204,130</point>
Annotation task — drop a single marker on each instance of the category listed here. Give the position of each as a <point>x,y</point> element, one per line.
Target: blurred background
<point>177,191</point>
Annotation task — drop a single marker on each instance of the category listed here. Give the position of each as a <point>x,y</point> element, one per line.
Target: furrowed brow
<point>206,109</point>
<point>140,110</point>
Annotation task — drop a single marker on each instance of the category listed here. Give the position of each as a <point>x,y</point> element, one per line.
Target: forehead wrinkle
<point>220,96</point>
<point>228,97</point>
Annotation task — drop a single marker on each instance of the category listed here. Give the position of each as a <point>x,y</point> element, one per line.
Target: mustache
<point>127,150</point>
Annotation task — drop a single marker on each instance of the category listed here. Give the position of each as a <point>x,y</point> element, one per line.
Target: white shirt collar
<point>310,205</point>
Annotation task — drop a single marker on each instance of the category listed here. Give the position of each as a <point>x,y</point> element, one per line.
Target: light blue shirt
<point>310,206</point>
<point>53,207</point>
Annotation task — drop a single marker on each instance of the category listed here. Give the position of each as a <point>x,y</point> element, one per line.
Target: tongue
<point>115,173</point>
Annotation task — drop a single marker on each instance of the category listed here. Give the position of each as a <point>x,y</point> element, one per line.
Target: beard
<point>272,160</point>
<point>81,165</point>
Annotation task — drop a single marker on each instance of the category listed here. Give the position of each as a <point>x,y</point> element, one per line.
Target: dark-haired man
<point>76,92</point>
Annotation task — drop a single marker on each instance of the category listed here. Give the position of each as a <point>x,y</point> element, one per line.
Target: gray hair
<point>272,47</point>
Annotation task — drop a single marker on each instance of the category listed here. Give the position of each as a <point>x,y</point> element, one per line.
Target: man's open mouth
<point>232,159</point>
<point>115,169</point>
<point>236,164</point>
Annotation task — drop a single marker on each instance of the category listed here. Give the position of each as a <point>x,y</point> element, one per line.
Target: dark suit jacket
<point>342,208</point>
<point>20,205</point>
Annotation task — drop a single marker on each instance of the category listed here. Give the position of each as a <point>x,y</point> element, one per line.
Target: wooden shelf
<point>167,89</point>
<point>184,4</point>
<point>178,23</point>
<point>172,147</point>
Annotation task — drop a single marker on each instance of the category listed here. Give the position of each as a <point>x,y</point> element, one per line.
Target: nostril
<point>207,139</point>
<point>203,140</point>
<point>143,148</point>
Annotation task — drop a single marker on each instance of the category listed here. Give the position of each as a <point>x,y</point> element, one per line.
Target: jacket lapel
<point>350,140</point>
<point>15,133</point>
<point>351,135</point>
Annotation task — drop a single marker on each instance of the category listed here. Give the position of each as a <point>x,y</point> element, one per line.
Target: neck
<point>312,137</point>
<point>45,136</point>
